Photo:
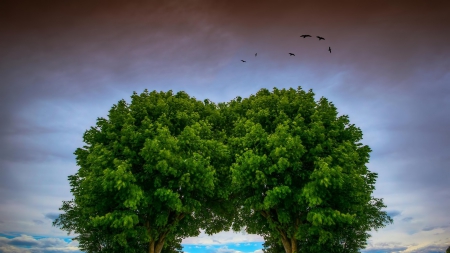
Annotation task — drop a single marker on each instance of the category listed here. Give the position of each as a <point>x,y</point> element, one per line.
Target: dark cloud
<point>385,250</point>
<point>54,46</point>
<point>24,241</point>
<point>429,228</point>
<point>52,242</point>
<point>38,222</point>
<point>407,219</point>
<point>385,247</point>
<point>393,213</point>
<point>52,216</point>
<point>13,249</point>
<point>431,249</point>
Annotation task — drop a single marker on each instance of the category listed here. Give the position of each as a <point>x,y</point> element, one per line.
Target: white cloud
<point>225,249</point>
<point>17,244</point>
<point>420,246</point>
<point>223,237</point>
<point>12,249</point>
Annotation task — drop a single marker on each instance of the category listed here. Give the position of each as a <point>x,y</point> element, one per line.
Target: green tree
<point>151,174</point>
<point>347,238</point>
<point>448,250</point>
<point>300,176</point>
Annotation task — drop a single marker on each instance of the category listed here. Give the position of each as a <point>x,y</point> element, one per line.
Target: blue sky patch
<point>230,247</point>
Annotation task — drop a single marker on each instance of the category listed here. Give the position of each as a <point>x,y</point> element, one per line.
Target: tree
<point>279,163</point>
<point>448,250</point>
<point>346,238</point>
<point>300,176</point>
<point>151,174</point>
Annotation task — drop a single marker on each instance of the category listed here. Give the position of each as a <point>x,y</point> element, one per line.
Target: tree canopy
<point>152,172</point>
<point>278,163</point>
<point>300,173</point>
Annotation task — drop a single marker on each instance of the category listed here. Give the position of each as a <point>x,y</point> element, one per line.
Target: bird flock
<point>303,36</point>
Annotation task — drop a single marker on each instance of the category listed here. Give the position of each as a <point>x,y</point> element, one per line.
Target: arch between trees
<point>277,163</point>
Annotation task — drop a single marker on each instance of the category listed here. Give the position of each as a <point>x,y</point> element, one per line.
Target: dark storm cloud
<point>53,49</point>
<point>80,51</point>
<point>52,46</point>
<point>48,45</point>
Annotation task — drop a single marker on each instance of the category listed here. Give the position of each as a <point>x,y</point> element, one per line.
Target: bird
<point>256,54</point>
<point>305,35</point>
<point>329,49</point>
<point>243,61</point>
<point>291,54</point>
<point>320,38</point>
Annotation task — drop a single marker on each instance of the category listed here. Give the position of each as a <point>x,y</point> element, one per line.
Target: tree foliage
<point>154,171</point>
<point>278,163</point>
<point>300,173</point>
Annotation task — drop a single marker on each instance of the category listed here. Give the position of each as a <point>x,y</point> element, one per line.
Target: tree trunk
<point>286,245</point>
<point>294,245</point>
<point>286,242</point>
<point>156,247</point>
<point>151,247</point>
<point>160,245</point>
<point>289,244</point>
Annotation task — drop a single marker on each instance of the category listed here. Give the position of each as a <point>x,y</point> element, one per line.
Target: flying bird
<point>243,61</point>
<point>320,38</point>
<point>291,54</point>
<point>256,54</point>
<point>329,49</point>
<point>305,35</point>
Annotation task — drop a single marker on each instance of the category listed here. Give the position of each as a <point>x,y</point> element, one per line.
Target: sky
<point>65,63</point>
